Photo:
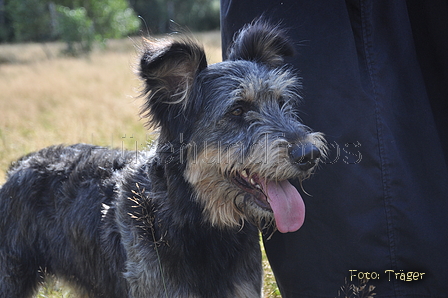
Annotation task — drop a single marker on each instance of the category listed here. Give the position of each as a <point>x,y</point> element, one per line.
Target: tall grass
<point>67,100</point>
<point>46,99</point>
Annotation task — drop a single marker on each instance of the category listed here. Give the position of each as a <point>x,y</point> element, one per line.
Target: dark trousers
<point>375,77</point>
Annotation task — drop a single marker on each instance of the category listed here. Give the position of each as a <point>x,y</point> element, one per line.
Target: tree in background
<point>86,21</point>
<point>111,18</point>
<point>25,20</point>
<point>44,20</point>
<point>196,15</point>
<point>77,22</point>
<point>75,28</point>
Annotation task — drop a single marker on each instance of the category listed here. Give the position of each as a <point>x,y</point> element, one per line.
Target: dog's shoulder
<point>66,160</point>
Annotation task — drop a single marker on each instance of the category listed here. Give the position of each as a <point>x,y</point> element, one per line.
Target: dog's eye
<point>237,111</point>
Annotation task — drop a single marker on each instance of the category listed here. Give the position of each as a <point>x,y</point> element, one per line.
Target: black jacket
<point>375,77</point>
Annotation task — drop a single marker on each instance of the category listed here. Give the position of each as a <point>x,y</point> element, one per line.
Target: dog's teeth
<point>258,186</point>
<point>244,174</point>
<point>252,181</point>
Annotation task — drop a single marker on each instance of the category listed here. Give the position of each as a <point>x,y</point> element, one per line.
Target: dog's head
<point>234,125</point>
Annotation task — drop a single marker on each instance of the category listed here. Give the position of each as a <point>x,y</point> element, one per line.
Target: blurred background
<point>88,20</point>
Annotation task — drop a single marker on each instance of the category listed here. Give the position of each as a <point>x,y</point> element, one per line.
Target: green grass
<point>270,288</point>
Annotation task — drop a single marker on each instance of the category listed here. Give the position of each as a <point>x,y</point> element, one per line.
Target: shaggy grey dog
<point>184,220</point>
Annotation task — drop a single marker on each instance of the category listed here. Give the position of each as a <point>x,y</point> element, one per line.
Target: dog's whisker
<point>301,187</point>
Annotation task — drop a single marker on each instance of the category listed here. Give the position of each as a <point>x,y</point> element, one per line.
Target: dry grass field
<point>48,99</point>
<point>70,100</point>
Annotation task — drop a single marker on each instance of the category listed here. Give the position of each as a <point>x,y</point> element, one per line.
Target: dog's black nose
<point>305,155</point>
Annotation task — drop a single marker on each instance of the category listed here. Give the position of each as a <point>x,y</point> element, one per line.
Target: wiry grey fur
<point>176,222</point>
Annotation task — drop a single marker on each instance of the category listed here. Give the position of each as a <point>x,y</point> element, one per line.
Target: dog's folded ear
<point>168,69</point>
<point>261,42</point>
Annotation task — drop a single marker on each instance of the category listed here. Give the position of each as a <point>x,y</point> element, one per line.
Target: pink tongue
<point>287,204</point>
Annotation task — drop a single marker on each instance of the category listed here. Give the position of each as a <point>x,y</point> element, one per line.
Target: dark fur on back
<point>181,220</point>
<point>51,221</point>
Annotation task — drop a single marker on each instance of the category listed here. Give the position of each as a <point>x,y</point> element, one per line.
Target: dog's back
<point>50,219</point>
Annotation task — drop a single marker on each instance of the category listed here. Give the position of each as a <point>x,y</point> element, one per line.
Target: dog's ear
<point>168,69</point>
<point>261,42</point>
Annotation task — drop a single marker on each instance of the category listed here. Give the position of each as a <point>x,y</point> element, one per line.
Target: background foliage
<point>197,15</point>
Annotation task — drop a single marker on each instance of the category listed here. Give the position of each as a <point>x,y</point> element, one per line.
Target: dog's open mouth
<point>280,197</point>
<point>252,185</point>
